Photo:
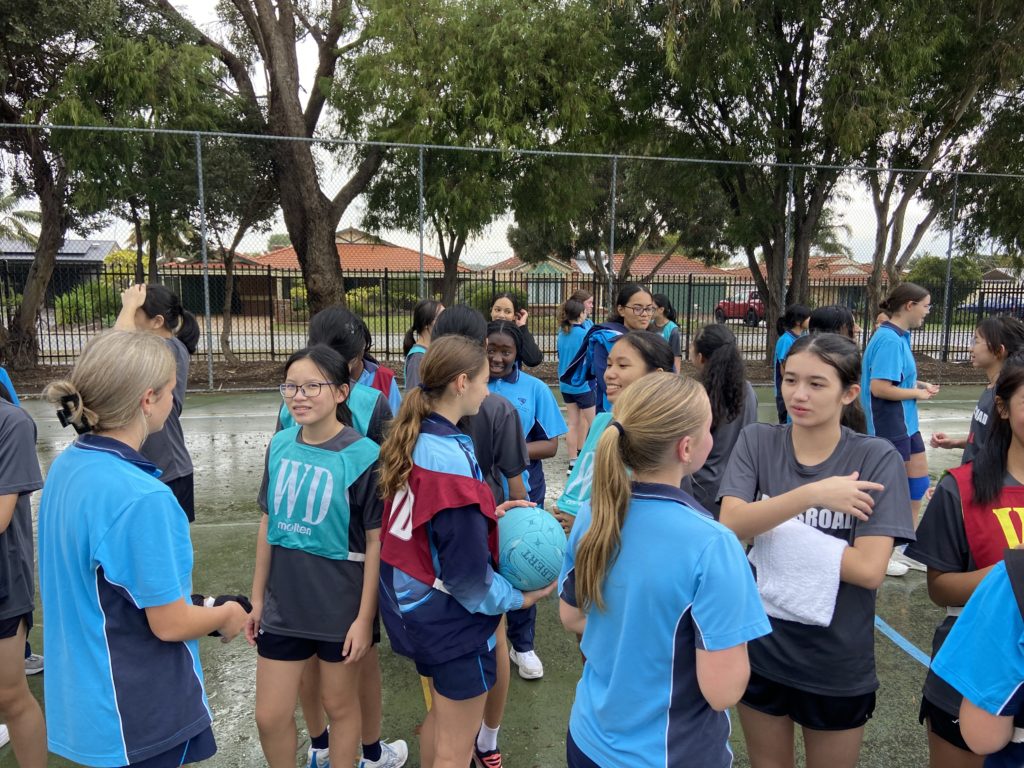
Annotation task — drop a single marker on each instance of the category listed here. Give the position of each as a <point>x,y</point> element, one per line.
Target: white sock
<point>487,738</point>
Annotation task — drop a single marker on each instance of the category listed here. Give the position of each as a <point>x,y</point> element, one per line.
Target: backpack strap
<point>1014,559</point>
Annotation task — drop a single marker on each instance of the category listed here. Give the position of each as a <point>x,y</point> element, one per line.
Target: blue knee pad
<point>918,487</point>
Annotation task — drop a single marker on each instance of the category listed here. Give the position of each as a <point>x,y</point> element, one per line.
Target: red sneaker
<point>490,759</point>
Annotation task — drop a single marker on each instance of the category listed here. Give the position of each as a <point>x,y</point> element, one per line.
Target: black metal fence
<point>269,312</point>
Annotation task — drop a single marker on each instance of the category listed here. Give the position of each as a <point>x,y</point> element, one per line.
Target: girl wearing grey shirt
<point>733,405</point>
<point>846,485</point>
<point>155,309</point>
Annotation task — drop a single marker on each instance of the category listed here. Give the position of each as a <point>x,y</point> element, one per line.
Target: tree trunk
<point>22,344</point>
<point>140,262</point>
<point>154,244</point>
<point>310,224</point>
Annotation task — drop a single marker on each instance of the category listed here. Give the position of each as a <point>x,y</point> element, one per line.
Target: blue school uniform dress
<point>440,596</point>
<point>112,542</point>
<point>386,384</point>
<point>782,347</point>
<point>9,386</point>
<point>638,702</point>
<point>983,658</point>
<point>888,357</point>
<point>540,416</point>
<point>592,358</point>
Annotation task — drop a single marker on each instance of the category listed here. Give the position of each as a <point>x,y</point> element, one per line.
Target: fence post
<point>689,314</point>
<point>273,310</point>
<point>422,294</point>
<point>947,305</point>
<point>206,263</point>
<point>386,294</point>
<point>611,232</point>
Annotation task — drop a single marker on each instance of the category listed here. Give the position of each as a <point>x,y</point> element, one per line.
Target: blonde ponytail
<point>651,417</point>
<point>110,377</point>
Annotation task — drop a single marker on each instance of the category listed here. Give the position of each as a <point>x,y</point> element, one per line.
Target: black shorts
<point>942,724</point>
<point>811,710</point>
<point>287,648</point>
<point>583,400</point>
<point>9,627</point>
<point>463,678</point>
<point>908,445</point>
<point>184,491</point>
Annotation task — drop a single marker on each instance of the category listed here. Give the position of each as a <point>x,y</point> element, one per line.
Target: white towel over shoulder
<point>798,572</point>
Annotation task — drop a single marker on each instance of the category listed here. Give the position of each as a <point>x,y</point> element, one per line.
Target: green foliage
<point>368,301</point>
<point>930,272</point>
<point>299,298</point>
<point>88,302</point>
<point>121,261</point>
<point>481,295</point>
<point>278,240</point>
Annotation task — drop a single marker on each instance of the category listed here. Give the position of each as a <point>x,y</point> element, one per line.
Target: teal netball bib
<point>307,499</point>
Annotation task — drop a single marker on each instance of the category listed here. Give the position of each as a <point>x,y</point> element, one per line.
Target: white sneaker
<point>528,662</point>
<point>318,758</point>
<point>393,754</point>
<point>5,736</point>
<point>896,568</point>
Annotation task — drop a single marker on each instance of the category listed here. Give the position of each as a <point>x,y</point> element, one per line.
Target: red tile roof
<point>642,265</point>
<point>822,268</point>
<point>361,256</point>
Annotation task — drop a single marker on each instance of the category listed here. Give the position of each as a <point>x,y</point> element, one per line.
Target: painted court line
<point>901,642</point>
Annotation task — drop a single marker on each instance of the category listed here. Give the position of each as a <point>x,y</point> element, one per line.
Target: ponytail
<point>795,315</point>
<point>571,312</point>
<point>161,301</point>
<point>423,316</point>
<point>445,360</point>
<point>652,415</point>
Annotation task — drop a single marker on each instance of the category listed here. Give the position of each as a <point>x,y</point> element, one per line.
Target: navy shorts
<point>908,445</point>
<point>942,724</point>
<point>270,645</point>
<point>463,678</point>
<point>200,747</point>
<point>811,710</point>
<point>574,757</point>
<point>583,400</point>
<point>9,627</point>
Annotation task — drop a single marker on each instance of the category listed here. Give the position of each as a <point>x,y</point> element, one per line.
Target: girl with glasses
<point>314,589</point>
<point>634,309</point>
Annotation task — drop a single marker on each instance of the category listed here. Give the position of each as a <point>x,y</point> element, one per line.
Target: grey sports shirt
<point>837,660</point>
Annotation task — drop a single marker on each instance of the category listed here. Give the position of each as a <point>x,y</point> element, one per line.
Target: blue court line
<point>901,642</point>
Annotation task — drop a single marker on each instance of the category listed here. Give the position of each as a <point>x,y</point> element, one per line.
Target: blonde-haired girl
<point>441,599</point>
<point>123,682</point>
<point>641,555</point>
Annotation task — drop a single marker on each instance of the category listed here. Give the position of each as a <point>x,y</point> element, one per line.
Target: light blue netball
<point>531,545</point>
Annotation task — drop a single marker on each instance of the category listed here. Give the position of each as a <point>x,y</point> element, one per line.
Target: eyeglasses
<point>312,389</point>
<point>637,309</point>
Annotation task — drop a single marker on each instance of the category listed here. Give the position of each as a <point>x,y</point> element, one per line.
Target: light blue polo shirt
<point>540,416</point>
<point>983,657</point>
<point>680,582</point>
<point>888,357</point>
<point>112,542</point>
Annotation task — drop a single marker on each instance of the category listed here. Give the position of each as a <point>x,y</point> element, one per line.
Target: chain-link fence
<point>213,216</point>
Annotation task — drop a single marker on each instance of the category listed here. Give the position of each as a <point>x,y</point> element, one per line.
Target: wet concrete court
<point>227,434</point>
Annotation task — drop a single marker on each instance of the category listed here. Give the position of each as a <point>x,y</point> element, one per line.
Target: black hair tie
<point>622,432</point>
<point>423,387</point>
<point>66,414</point>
